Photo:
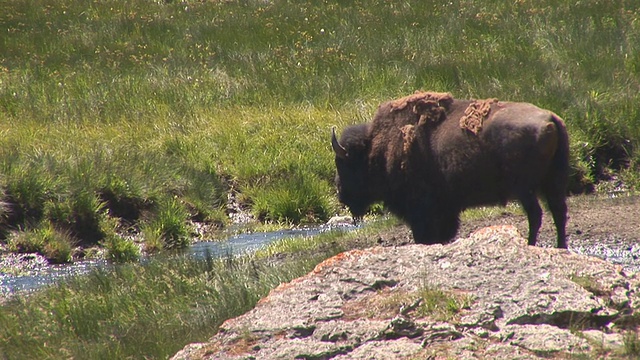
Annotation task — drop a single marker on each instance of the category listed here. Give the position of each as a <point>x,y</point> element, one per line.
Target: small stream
<point>36,272</point>
<point>627,256</point>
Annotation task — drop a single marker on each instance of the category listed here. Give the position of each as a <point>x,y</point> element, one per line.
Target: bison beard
<point>428,157</point>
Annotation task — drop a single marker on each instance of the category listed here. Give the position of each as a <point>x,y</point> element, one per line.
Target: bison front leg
<point>447,226</point>
<point>421,234</point>
<point>434,229</point>
<point>419,220</point>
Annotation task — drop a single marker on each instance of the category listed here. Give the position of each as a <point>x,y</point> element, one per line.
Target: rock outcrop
<point>502,299</point>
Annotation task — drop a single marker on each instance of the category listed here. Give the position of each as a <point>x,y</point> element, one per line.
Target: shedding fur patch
<point>475,114</point>
<point>408,134</point>
<point>430,106</point>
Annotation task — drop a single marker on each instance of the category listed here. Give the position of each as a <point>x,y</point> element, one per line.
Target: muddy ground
<point>599,225</point>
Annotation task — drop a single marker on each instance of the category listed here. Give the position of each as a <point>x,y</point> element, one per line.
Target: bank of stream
<point>28,272</point>
<point>601,226</point>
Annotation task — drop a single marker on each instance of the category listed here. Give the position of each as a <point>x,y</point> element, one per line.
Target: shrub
<point>582,164</point>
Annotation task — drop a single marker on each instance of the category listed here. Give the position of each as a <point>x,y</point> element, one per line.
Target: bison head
<point>352,179</point>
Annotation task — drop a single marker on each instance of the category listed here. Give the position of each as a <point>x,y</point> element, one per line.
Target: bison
<point>428,156</point>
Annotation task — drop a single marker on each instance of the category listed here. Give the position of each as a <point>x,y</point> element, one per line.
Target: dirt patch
<point>592,220</point>
<point>599,225</point>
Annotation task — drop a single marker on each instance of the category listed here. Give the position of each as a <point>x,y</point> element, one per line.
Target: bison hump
<point>429,106</point>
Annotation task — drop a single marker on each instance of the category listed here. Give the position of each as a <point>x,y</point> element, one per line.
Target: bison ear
<point>340,151</point>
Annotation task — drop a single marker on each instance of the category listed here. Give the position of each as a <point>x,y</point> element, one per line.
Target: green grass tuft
<point>440,304</point>
<point>631,343</point>
<point>121,250</point>
<point>54,244</point>
<point>171,224</point>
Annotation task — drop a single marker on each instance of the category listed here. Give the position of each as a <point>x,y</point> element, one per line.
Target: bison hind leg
<point>532,208</point>
<point>557,204</point>
<point>559,212</point>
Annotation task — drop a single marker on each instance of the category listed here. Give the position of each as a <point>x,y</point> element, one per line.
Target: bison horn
<point>340,151</point>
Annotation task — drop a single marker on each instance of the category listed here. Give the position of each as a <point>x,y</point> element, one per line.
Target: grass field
<point>151,112</point>
<point>138,116</point>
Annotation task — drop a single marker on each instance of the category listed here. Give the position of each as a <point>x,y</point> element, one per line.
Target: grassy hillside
<point>142,114</point>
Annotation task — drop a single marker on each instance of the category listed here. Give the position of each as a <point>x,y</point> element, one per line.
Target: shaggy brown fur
<point>415,158</point>
<point>408,134</point>
<point>475,114</point>
<point>430,106</point>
